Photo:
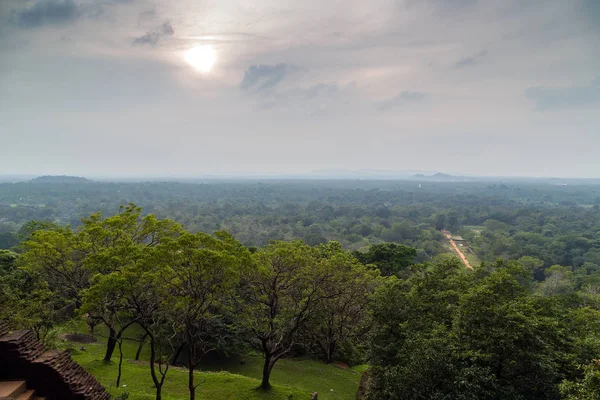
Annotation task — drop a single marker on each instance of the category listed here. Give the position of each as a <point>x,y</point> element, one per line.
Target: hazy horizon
<point>156,88</point>
<point>366,175</point>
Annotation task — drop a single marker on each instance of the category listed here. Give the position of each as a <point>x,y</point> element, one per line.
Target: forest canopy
<point>355,272</point>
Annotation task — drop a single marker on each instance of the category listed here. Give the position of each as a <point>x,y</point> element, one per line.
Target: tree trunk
<point>330,352</point>
<point>191,378</point>
<point>177,353</point>
<point>139,350</point>
<point>267,368</point>
<point>120,362</point>
<point>111,344</point>
<point>157,383</point>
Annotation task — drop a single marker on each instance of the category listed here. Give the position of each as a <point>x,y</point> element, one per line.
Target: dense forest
<point>556,224</point>
<point>352,271</point>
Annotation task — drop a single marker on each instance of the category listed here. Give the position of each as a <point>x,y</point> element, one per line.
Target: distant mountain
<point>362,174</point>
<point>60,179</point>
<point>441,177</point>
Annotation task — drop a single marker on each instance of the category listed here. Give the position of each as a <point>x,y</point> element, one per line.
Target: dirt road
<point>460,253</point>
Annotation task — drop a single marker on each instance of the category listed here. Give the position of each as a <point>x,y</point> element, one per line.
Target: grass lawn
<point>360,368</point>
<point>230,379</point>
<point>475,228</point>
<point>473,259</point>
<point>331,381</point>
<point>137,382</point>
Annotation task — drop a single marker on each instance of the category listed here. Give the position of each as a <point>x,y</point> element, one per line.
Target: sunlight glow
<point>202,58</point>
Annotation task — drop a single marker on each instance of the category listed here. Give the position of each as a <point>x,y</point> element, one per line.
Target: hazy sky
<point>485,87</point>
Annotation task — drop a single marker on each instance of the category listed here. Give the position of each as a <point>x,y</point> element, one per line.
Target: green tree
<point>59,256</point>
<point>280,295</point>
<point>390,258</point>
<point>71,261</point>
<point>26,302</point>
<point>8,261</point>
<point>521,339</point>
<point>343,316</point>
<point>585,388</point>
<point>449,333</point>
<point>26,231</point>
<point>8,240</point>
<point>440,221</point>
<point>143,295</point>
<point>531,264</point>
<point>452,221</point>
<point>559,281</point>
<point>200,272</point>
<point>411,352</point>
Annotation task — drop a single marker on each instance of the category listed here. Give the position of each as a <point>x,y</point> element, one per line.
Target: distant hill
<point>60,179</point>
<point>362,174</point>
<point>441,177</point>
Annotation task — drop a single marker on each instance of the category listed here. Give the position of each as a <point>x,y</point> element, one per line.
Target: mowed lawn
<point>330,381</point>
<point>221,380</point>
<point>137,382</point>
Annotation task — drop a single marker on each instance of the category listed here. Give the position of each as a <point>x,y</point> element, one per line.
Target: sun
<point>202,58</point>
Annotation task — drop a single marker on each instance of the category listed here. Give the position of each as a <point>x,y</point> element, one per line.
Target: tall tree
<point>72,261</point>
<point>343,316</point>
<point>143,296</point>
<point>280,295</point>
<point>26,302</point>
<point>105,301</point>
<point>59,255</point>
<point>200,272</point>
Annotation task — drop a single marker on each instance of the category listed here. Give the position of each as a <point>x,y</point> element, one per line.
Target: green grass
<point>225,379</point>
<point>477,229</point>
<point>472,258</point>
<point>330,381</point>
<point>137,382</point>
<point>474,227</point>
<point>360,368</point>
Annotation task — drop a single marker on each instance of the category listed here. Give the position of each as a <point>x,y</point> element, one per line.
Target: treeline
<point>554,224</point>
<point>432,330</point>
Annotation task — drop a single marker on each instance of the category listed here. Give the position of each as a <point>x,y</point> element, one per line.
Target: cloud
<point>320,89</point>
<point>264,77</point>
<point>402,99</point>
<point>470,61</point>
<point>554,98</point>
<point>445,4</point>
<point>152,37</point>
<point>316,93</point>
<point>311,101</point>
<point>47,12</point>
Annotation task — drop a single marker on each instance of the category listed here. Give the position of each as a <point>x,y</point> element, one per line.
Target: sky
<point>191,87</point>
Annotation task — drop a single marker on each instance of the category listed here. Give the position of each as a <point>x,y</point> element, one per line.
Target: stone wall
<point>52,374</point>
